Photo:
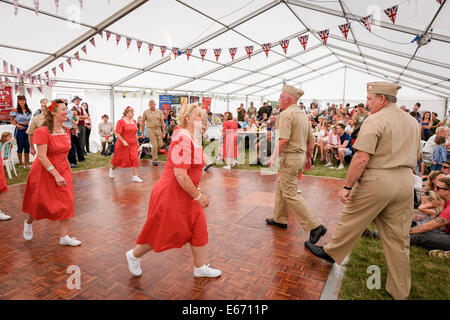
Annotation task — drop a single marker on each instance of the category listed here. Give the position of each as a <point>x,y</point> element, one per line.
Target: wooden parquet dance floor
<point>257,261</point>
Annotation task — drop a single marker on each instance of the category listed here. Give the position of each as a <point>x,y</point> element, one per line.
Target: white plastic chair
<point>145,145</point>
<point>8,162</point>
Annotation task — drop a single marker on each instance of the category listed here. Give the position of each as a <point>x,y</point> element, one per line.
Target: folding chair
<point>8,162</point>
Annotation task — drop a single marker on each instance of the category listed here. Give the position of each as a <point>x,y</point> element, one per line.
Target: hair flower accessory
<point>52,107</point>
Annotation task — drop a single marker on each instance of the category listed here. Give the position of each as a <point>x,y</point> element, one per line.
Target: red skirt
<point>125,157</point>
<point>3,186</point>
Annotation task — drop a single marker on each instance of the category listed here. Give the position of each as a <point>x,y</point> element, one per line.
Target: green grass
<point>429,276</point>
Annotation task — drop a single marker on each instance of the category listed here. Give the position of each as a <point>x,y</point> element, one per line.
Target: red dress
<point>126,157</point>
<point>230,128</point>
<point>3,186</point>
<point>174,217</point>
<point>43,198</point>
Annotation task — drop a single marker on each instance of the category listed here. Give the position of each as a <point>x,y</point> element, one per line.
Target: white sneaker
<point>137,179</point>
<point>27,231</point>
<point>299,191</point>
<point>227,167</point>
<point>234,163</point>
<point>134,264</point>
<point>4,216</point>
<point>68,241</point>
<point>207,272</point>
<point>111,173</point>
<point>341,166</point>
<point>329,164</point>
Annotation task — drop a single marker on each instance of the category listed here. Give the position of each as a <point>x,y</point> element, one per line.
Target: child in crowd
<point>333,140</point>
<point>6,137</point>
<point>431,206</point>
<point>439,153</point>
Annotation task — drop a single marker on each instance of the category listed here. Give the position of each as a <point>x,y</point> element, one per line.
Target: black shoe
<point>208,166</point>
<point>274,223</point>
<point>318,251</point>
<point>316,233</point>
<point>155,164</point>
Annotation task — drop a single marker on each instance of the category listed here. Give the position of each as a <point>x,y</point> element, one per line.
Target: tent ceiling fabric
<point>386,52</point>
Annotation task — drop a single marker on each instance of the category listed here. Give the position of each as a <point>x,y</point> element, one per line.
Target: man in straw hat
<point>295,147</point>
<point>379,186</point>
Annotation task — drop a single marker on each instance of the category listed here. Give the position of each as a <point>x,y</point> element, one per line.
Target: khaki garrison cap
<point>293,91</point>
<point>382,87</point>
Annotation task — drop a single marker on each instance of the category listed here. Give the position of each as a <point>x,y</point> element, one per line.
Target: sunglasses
<point>439,188</point>
<point>445,167</point>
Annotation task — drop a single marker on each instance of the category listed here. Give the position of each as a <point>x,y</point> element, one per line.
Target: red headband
<point>52,107</point>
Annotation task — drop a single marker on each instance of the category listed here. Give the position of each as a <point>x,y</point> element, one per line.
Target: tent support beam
<point>111,105</point>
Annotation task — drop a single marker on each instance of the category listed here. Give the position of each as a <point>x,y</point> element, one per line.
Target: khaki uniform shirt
<point>153,118</point>
<point>35,123</point>
<point>392,138</point>
<point>294,125</point>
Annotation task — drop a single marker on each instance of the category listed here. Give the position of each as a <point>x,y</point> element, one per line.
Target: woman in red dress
<point>3,189</point>
<point>49,191</point>
<point>175,214</point>
<point>126,150</point>
<point>229,135</point>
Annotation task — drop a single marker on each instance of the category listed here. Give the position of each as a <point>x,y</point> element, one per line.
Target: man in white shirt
<point>428,149</point>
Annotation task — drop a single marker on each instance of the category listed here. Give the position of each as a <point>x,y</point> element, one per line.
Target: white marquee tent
<point>109,76</point>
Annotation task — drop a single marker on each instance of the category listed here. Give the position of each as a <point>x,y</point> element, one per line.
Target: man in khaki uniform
<point>35,123</point>
<point>295,146</point>
<point>155,121</point>
<point>379,186</point>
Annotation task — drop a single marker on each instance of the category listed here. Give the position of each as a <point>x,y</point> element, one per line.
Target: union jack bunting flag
<point>40,89</point>
<point>175,52</point>
<point>30,91</point>
<point>81,4</point>
<point>188,53</point>
<point>150,48</point>
<point>345,28</point>
<point>46,74</point>
<point>284,44</point>
<point>92,41</point>
<point>84,49</point>
<point>249,50</point>
<point>266,47</point>
<point>16,6</point>
<point>118,39</point>
<point>203,53</point>
<point>391,13</point>
<point>54,71</point>
<point>100,33</point>
<point>13,72</point>
<point>61,65</point>
<point>5,66</point>
<point>139,45</point>
<point>367,21</point>
<point>36,6</point>
<point>57,5</point>
<point>217,53</point>
<point>163,50</point>
<point>108,35</point>
<point>303,40</point>
<point>324,36</point>
<point>439,1</point>
<point>77,56</point>
<point>69,62</point>
<point>129,40</point>
<point>7,81</point>
<point>232,52</point>
<point>33,78</point>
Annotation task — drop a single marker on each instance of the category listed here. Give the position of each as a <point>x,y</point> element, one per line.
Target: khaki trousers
<point>287,196</point>
<point>385,196</point>
<point>155,137</point>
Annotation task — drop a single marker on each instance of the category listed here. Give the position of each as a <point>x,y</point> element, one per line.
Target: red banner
<point>6,103</point>
<point>206,103</point>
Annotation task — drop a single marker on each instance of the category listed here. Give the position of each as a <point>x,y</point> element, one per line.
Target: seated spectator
<point>6,137</point>
<point>141,133</point>
<point>431,206</point>
<point>210,119</point>
<point>428,149</point>
<point>106,132</point>
<point>350,126</point>
<point>333,140</point>
<point>276,111</point>
<point>263,121</point>
<point>426,235</point>
<point>322,139</point>
<point>272,122</point>
<point>432,178</point>
<point>252,125</point>
<point>343,149</point>
<point>439,154</point>
<point>446,168</point>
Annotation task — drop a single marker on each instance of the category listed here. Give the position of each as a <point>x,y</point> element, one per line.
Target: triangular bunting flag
<point>391,13</point>
<point>54,71</point>
<point>284,44</point>
<point>46,74</point>
<point>7,81</point>
<point>118,39</point>
<point>217,53</point>
<point>139,45</point>
<point>81,4</point>
<point>266,47</point>
<point>32,79</point>
<point>57,5</point>
<point>84,49</point>
<point>345,28</point>
<point>77,55</point>
<point>69,62</point>
<point>367,21</point>
<point>36,6</point>
<point>439,1</point>
<point>61,65</point>
<point>108,35</point>
<point>5,67</point>
<point>203,53</point>
<point>13,72</point>
<point>16,88</point>
<point>175,52</point>
<point>163,50</point>
<point>188,53</point>
<point>92,41</point>
<point>30,91</point>
<point>232,52</point>
<point>129,42</point>
<point>100,33</point>
<point>150,48</point>
<point>324,36</point>
<point>249,50</point>
<point>40,89</point>
<point>303,40</point>
<point>16,6</point>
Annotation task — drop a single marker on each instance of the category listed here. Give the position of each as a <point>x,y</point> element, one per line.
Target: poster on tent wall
<point>184,100</point>
<point>165,103</point>
<point>206,103</point>
<point>6,104</point>
<point>194,99</point>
